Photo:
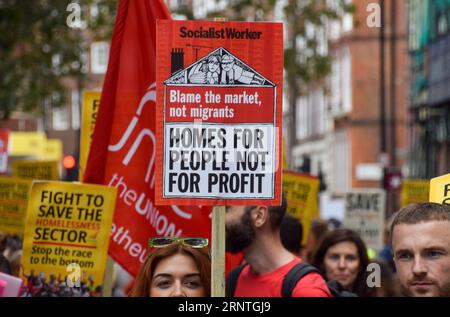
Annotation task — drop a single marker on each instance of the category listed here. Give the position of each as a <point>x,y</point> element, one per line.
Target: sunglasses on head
<point>161,242</point>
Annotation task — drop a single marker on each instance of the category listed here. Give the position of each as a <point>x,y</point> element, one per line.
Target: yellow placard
<point>440,190</point>
<point>27,144</point>
<point>53,150</point>
<point>38,170</point>
<point>14,193</point>
<point>91,102</point>
<point>67,231</point>
<point>35,145</point>
<point>302,196</point>
<point>285,162</point>
<point>414,191</point>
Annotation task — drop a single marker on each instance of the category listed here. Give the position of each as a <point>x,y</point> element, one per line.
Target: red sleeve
<point>312,285</point>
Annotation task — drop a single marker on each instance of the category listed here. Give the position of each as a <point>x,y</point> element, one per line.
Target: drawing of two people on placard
<point>222,70</point>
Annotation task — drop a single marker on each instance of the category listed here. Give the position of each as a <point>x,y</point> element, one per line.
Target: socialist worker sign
<point>219,88</point>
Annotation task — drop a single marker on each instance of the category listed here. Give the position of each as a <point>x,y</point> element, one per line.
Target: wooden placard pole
<point>218,244</point>
<point>108,280</point>
<point>218,252</point>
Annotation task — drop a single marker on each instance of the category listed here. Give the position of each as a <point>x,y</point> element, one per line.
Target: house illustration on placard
<point>218,68</point>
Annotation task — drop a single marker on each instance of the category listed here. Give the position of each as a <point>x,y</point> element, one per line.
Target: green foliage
<point>238,10</point>
<point>306,63</point>
<point>303,63</point>
<point>38,49</point>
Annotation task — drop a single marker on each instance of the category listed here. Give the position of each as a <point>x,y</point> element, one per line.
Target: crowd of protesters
<point>415,260</point>
<point>274,260</point>
<point>38,286</point>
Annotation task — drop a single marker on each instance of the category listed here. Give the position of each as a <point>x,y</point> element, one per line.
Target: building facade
<point>338,121</point>
<point>429,48</point>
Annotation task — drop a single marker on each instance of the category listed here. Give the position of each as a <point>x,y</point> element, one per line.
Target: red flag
<point>123,147</point>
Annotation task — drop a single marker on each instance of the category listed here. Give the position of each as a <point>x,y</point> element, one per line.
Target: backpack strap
<point>232,279</point>
<point>294,275</point>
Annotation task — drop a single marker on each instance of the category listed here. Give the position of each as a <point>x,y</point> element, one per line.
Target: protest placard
<point>90,106</point>
<point>365,214</point>
<point>67,231</point>
<point>285,161</point>
<point>414,191</point>
<point>14,193</point>
<point>4,141</point>
<point>219,118</point>
<point>27,143</point>
<point>301,192</point>
<point>440,189</point>
<point>38,170</point>
<point>10,286</point>
<point>53,150</point>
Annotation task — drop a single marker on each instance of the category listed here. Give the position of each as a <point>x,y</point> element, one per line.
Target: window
<point>322,42</point>
<point>99,57</point>
<point>75,110</point>
<point>84,62</point>
<point>60,118</point>
<point>347,20</point>
<point>56,64</point>
<point>442,24</point>
<point>286,105</point>
<point>200,9</point>
<point>320,108</point>
<point>302,118</point>
<point>335,83</point>
<point>336,28</point>
<point>279,10</point>
<point>94,11</point>
<point>308,116</point>
<point>182,3</point>
<point>341,173</point>
<point>56,60</point>
<point>311,115</point>
<point>315,113</point>
<point>341,83</point>
<point>346,81</point>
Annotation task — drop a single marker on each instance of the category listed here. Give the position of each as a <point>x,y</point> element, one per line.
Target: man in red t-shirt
<point>255,231</point>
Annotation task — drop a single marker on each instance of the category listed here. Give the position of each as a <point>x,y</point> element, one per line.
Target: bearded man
<point>255,231</point>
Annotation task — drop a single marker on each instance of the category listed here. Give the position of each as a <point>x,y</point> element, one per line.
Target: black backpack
<point>290,281</point>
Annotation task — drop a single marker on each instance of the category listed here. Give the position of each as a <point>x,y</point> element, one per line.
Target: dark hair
<point>345,235</point>
<point>217,57</point>
<point>319,228</point>
<point>276,213</point>
<point>388,280</point>
<point>3,240</point>
<point>142,284</point>
<point>421,212</point>
<point>291,234</point>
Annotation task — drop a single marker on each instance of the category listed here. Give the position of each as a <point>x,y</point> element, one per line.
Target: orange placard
<point>219,112</point>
